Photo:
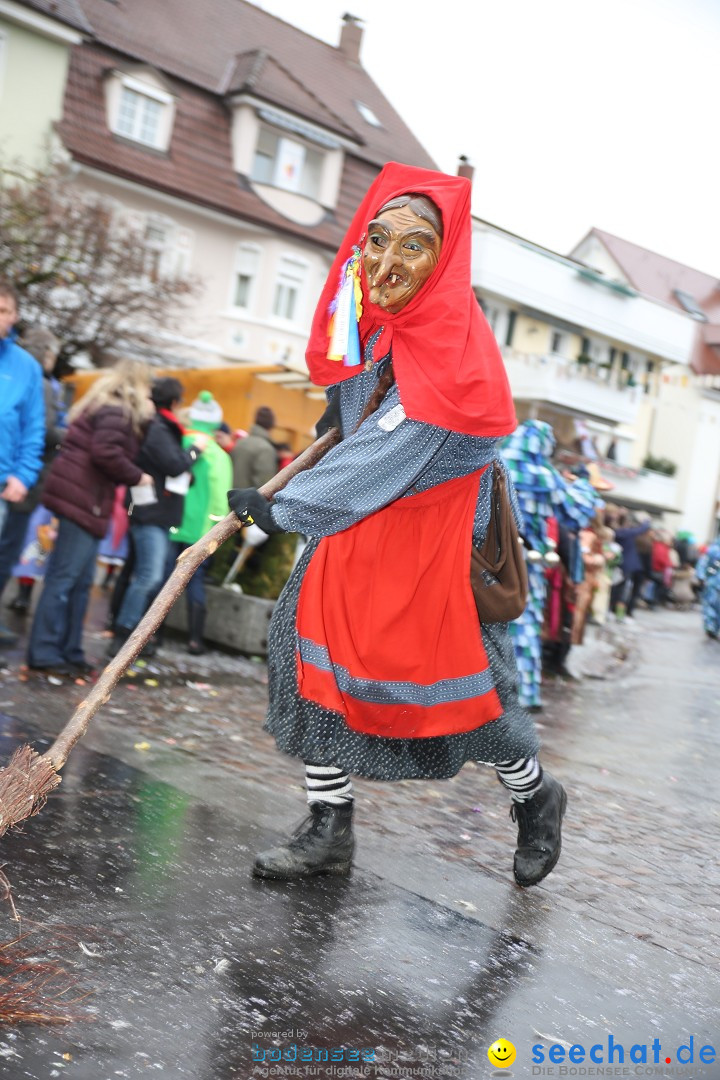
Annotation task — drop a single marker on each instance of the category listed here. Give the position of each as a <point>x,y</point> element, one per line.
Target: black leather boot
<point>322,844</point>
<point>539,841</point>
<point>21,602</point>
<point>196,627</point>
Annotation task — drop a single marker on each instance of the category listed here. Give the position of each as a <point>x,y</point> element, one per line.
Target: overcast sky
<point>574,112</point>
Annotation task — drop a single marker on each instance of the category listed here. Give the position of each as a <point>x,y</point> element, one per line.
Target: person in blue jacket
<point>22,410</point>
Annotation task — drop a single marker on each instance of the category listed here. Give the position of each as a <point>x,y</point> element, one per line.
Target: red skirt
<point>388,631</point>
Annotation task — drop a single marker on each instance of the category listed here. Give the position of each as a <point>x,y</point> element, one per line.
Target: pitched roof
<point>656,275</point>
<point>666,280</point>
<point>198,166</point>
<point>201,44</point>
<point>65,11</point>
<point>258,73</point>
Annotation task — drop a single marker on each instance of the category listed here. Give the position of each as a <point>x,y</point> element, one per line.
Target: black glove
<point>331,417</point>
<point>252,508</point>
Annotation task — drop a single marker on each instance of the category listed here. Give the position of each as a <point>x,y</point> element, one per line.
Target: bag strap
<point>494,551</point>
<point>385,381</point>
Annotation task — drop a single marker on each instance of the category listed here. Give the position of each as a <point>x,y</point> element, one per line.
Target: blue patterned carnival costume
<point>542,493</point>
<point>708,571</point>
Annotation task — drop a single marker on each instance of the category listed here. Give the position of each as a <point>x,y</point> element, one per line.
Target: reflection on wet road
<point>428,953</point>
<point>193,960</point>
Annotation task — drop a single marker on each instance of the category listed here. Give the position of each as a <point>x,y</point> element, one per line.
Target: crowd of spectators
<point>133,474</point>
<point>130,473</point>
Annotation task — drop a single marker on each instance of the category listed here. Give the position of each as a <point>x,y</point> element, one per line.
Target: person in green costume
<point>205,505</point>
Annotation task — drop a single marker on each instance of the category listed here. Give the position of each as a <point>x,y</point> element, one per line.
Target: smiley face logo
<point>502,1053</point>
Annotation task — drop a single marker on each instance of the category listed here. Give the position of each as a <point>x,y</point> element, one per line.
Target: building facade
<point>243,157</point>
<point>241,146</point>
<point>238,144</point>
<point>35,47</point>
<point>592,356</point>
<point>686,428</point>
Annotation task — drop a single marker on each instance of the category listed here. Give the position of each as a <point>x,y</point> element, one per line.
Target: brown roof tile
<point>198,166</point>
<point>65,11</point>
<point>201,42</point>
<point>656,275</point>
<point>660,277</point>
<point>264,77</point>
<point>711,334</point>
<point>244,71</point>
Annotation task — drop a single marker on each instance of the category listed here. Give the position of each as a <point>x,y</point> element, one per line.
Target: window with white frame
<point>492,314</point>
<point>289,286</point>
<point>287,163</point>
<point>141,112</point>
<point>168,249</point>
<point>247,264</point>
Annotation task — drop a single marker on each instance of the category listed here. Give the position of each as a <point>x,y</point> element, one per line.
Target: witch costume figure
<point>378,664</point>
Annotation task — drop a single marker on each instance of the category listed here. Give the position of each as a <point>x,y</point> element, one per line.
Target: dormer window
<point>139,117</point>
<point>286,163</point>
<point>293,165</point>
<point>140,109</point>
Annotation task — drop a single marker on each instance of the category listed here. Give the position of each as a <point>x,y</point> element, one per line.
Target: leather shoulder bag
<point>498,574</point>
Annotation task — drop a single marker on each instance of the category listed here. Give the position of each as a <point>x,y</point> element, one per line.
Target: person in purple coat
<point>98,453</point>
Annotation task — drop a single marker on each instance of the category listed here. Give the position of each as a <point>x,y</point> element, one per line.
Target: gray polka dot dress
<point>387,458</point>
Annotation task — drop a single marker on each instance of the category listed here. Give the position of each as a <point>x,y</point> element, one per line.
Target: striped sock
<point>522,778</point>
<point>327,783</point>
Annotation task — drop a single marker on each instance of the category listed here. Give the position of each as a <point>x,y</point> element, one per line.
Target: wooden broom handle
<point>185,567</point>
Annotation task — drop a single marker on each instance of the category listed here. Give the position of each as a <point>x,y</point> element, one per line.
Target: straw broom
<point>29,777</point>
<point>35,991</point>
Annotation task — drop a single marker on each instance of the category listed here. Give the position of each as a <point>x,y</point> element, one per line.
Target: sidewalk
<point>606,650</point>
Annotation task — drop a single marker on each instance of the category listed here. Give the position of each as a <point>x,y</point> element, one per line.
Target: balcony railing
<point>641,488</point>
<point>585,388</point>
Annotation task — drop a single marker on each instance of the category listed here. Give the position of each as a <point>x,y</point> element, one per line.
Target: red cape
<point>447,363</point>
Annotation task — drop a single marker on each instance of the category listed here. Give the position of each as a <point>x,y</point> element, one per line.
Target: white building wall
<point>219,331</point>
<point>704,473</point>
<point>528,276</point>
<point>685,428</point>
<point>34,58</point>
<point>674,420</point>
<point>687,431</point>
<point>592,251</point>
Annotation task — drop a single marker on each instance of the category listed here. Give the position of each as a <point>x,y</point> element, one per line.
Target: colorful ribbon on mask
<point>345,312</point>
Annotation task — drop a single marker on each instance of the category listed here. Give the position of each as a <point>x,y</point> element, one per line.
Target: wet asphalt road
<point>137,871</point>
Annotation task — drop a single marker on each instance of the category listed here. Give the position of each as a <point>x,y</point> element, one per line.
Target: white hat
<point>205,409</point>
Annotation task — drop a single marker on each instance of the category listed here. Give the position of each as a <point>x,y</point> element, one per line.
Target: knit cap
<point>205,413</point>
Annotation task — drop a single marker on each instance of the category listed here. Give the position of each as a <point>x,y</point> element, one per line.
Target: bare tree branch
<point>84,269</point>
